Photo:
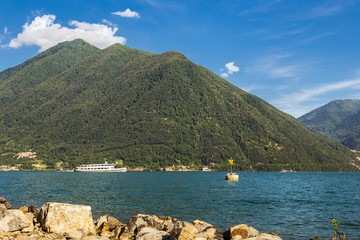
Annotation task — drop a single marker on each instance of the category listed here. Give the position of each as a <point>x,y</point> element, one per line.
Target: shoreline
<point>68,221</point>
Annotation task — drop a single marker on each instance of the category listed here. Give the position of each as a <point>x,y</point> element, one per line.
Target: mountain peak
<point>338,119</point>
<point>78,103</point>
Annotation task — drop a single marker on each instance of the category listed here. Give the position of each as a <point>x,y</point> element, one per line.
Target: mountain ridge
<point>156,110</point>
<point>339,119</point>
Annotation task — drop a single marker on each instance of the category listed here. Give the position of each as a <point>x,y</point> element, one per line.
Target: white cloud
<point>303,101</point>
<point>5,30</point>
<point>43,32</point>
<point>127,13</point>
<point>272,67</point>
<point>230,69</point>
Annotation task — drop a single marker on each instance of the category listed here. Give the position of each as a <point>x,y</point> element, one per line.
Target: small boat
<point>231,176</point>
<point>106,167</point>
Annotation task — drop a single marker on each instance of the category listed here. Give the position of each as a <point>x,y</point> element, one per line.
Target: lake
<point>295,205</point>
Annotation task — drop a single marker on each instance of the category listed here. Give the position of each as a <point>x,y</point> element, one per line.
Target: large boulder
<point>5,202</point>
<point>15,220</point>
<point>242,232</point>
<point>148,233</point>
<point>159,223</point>
<point>75,220</point>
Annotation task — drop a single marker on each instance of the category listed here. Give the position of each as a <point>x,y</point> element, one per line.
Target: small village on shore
<point>65,166</point>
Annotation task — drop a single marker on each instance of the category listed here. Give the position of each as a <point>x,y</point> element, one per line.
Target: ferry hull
<point>98,170</point>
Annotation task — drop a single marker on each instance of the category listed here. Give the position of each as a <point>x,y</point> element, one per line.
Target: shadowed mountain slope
<point>339,119</point>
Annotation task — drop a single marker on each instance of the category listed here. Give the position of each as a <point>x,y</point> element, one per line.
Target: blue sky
<point>297,55</point>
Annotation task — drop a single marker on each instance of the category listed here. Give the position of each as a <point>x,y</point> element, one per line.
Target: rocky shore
<point>67,221</point>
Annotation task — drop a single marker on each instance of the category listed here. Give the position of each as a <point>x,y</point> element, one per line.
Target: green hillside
<point>150,110</point>
<point>339,119</point>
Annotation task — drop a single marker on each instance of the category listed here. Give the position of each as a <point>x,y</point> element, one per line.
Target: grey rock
<point>14,220</point>
<point>160,223</point>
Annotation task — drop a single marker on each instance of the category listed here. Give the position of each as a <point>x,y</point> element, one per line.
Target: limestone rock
<point>94,238</point>
<point>76,233</point>
<point>152,234</point>
<point>5,202</point>
<point>242,230</point>
<point>106,226</point>
<point>2,210</point>
<point>125,236</point>
<point>253,232</point>
<point>14,220</point>
<point>66,218</point>
<point>265,236</point>
<point>205,229</point>
<point>160,223</point>
<point>237,237</point>
<point>184,231</point>
<point>208,233</point>
<point>201,225</point>
<point>178,226</point>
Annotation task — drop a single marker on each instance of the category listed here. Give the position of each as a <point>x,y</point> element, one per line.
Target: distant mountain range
<point>339,119</point>
<point>77,104</point>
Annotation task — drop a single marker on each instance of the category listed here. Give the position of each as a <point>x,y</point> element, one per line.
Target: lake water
<point>295,205</point>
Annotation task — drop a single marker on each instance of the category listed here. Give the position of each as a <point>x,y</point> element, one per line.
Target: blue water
<point>295,205</point>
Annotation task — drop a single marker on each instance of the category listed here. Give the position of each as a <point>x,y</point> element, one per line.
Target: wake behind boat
<point>106,167</point>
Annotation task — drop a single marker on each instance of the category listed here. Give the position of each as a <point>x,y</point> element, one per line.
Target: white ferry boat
<point>106,167</point>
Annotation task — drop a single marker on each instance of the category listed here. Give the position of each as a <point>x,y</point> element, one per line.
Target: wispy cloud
<point>230,69</point>
<point>165,4</point>
<point>316,37</point>
<point>43,32</point>
<point>277,32</point>
<point>274,67</point>
<point>105,21</point>
<point>331,8</point>
<point>260,6</point>
<point>303,101</point>
<point>127,14</point>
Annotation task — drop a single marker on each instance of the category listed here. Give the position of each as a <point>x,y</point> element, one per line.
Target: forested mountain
<point>339,119</point>
<point>79,104</point>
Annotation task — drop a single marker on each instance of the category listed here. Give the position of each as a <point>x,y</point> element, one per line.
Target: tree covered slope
<point>339,119</point>
<point>149,110</point>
